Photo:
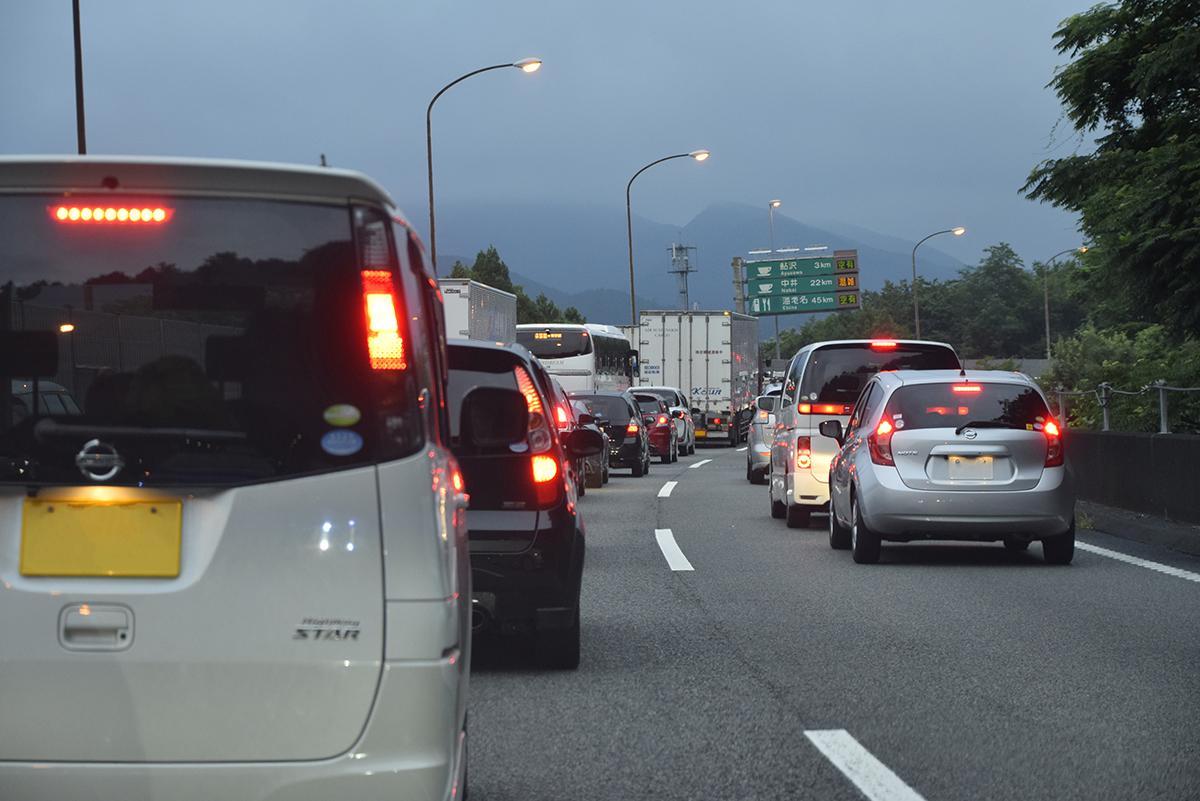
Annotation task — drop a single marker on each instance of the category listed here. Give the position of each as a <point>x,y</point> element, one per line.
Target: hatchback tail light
<point>560,414</point>
<point>1054,444</point>
<point>385,340</point>
<point>803,453</point>
<point>632,428</point>
<point>662,419</point>
<point>880,443</point>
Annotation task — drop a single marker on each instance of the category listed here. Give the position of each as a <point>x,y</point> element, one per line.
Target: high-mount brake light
<point>883,344</point>
<point>94,214</point>
<point>967,388</point>
<point>803,453</point>
<point>385,344</point>
<point>843,409</point>
<point>880,443</point>
<point>1054,444</point>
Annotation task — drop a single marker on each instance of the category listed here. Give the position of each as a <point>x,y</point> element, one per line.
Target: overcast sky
<point>901,117</point>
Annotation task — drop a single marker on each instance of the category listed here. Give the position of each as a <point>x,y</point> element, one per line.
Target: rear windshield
<point>470,369</point>
<point>837,373</point>
<point>221,344</point>
<point>649,405</point>
<point>606,406</point>
<point>555,344</point>
<point>954,405</point>
<point>668,395</point>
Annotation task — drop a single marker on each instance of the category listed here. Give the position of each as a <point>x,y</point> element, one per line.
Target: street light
<point>695,155</point>
<point>771,206</point>
<point>1046,287</point>
<point>957,231</point>
<point>527,65</point>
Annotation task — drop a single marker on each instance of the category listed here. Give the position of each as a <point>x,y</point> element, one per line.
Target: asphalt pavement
<point>766,665</point>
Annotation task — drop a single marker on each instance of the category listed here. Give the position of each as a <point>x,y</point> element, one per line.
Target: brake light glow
<point>456,480</point>
<point>716,421</point>
<point>385,345</point>
<point>824,408</point>
<point>533,401</point>
<point>968,388</point>
<point>763,415</point>
<point>141,215</point>
<point>545,468</point>
<point>880,443</point>
<point>1054,444</point>
<point>632,428</point>
<point>804,408</point>
<point>883,344</point>
<point>662,419</point>
<point>803,453</point>
<point>560,414</point>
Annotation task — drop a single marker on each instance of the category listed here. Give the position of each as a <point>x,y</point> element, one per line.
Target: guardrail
<point>1105,392</point>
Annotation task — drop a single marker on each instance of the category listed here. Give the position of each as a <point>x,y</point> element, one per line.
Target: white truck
<point>713,357</point>
<point>478,311</point>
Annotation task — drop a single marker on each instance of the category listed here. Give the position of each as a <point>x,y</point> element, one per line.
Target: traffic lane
<point>660,707</point>
<point>969,670</point>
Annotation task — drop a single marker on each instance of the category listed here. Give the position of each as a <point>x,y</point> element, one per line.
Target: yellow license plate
<point>701,433</point>
<point>86,538</point>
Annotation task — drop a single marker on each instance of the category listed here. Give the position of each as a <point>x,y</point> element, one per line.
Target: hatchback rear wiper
<point>47,428</point>
<point>986,424</point>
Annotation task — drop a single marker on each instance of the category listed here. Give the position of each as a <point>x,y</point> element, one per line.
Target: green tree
<point>490,269</point>
<point>1135,81</point>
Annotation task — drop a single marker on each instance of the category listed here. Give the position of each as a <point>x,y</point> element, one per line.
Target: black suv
<point>526,535</point>
<point>618,415</point>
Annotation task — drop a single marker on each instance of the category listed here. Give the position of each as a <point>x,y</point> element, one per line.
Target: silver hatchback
<point>950,455</point>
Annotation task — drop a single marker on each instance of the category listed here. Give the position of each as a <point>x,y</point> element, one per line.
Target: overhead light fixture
<point>699,155</point>
<point>817,247</point>
<point>529,64</point>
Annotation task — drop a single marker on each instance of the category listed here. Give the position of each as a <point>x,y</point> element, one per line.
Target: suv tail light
<point>1054,444</point>
<point>543,462</point>
<point>803,453</point>
<point>633,427</point>
<point>560,414</point>
<point>662,420</point>
<point>880,443</point>
<point>385,341</point>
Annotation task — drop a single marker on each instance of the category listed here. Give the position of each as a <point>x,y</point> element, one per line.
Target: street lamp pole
<point>79,126</point>
<point>1046,288</point>
<point>957,231</point>
<point>771,206</point>
<point>698,155</point>
<point>525,65</point>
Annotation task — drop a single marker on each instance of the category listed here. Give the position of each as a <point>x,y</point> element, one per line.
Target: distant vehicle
<point>585,358</point>
<point>713,357</point>
<point>596,465</point>
<point>822,382</point>
<point>946,455</point>
<point>478,311</point>
<point>242,572</point>
<point>563,415</point>
<point>677,402</point>
<point>762,434</point>
<point>527,537</point>
<point>629,440</point>
<point>656,417</point>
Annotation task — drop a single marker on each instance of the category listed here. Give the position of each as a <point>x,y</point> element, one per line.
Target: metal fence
<point>1105,393</point>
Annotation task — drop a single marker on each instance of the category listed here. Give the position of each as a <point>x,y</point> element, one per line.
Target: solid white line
<point>873,778</point>
<point>670,549</point>
<point>1133,560</point>
<point>700,463</point>
<point>665,492</point>
<point>741,450</point>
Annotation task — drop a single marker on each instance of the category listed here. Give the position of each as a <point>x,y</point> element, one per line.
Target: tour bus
<point>584,358</point>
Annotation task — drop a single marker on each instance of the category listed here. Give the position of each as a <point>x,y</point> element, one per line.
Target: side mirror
<point>583,442</point>
<point>678,414</point>
<point>767,403</point>
<point>492,418</point>
<point>586,419</point>
<point>833,430</point>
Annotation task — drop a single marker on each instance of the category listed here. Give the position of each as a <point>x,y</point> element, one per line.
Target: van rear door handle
<point>95,627</point>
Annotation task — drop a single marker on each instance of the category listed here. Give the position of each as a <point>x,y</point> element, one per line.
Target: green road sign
<point>790,268</point>
<point>798,304</point>
<point>808,285</point>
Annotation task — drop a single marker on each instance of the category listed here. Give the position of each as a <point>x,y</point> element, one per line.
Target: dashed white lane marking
<point>670,549</point>
<point>700,463</point>
<point>873,778</point>
<point>1133,560</point>
<point>742,450</point>
<point>665,492</point>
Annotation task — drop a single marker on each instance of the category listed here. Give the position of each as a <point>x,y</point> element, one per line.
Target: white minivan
<point>239,568</point>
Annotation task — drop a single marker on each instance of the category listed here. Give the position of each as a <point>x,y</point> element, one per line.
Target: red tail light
<point>533,401</point>
<point>716,421</point>
<point>844,409</point>
<point>883,344</point>
<point>662,419</point>
<point>1054,444</point>
<point>560,414</point>
<point>632,428</point>
<point>967,388</point>
<point>880,443</point>
<point>545,468</point>
<point>803,453</point>
<point>385,343</point>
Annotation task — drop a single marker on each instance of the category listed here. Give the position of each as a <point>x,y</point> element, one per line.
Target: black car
<point>526,535</point>
<point>618,415</point>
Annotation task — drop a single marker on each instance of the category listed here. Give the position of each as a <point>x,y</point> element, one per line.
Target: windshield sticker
<point>342,415</point>
<point>341,443</point>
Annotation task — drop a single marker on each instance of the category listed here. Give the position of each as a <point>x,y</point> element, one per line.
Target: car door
<point>839,468</point>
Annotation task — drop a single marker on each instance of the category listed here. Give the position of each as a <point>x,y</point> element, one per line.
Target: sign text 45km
<point>805,284</point>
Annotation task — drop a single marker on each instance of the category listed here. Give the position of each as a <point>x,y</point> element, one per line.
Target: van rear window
<point>222,344</point>
<point>953,405</point>
<point>837,373</point>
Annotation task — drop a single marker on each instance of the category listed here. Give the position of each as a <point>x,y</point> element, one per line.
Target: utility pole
<point>79,126</point>
<point>681,265</point>
<point>739,286</point>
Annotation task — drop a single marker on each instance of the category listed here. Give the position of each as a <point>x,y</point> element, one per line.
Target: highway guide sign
<point>803,284</point>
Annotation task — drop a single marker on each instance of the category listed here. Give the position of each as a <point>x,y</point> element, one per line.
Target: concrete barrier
<point>1156,474</point>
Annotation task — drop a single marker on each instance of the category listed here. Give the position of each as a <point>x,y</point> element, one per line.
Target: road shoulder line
<point>874,779</point>
<point>1158,567</point>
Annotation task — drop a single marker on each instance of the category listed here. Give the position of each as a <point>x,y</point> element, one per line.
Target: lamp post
<point>771,206</point>
<point>79,127</point>
<point>524,65</point>
<point>1046,287</point>
<point>697,155</point>
<point>957,231</point>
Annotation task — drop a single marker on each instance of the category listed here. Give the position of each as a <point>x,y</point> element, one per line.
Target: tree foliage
<point>1134,83</point>
<point>490,269</point>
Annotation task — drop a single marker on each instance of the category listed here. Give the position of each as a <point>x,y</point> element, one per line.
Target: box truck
<point>478,311</point>
<point>713,357</point>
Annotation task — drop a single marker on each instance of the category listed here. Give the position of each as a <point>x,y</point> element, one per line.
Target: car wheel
<point>639,469</point>
<point>864,543</point>
<point>594,479</point>
<point>646,469</point>
<point>1015,545</point>
<point>581,486</point>
<point>604,479</point>
<point>749,472</point>
<point>778,508</point>
<point>839,535</point>
<point>798,516</point>
<point>558,649</point>
<point>1060,549</point>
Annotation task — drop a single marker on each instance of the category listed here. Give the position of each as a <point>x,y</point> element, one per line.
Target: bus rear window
<point>837,373</point>
<point>953,405</point>
<point>555,344</point>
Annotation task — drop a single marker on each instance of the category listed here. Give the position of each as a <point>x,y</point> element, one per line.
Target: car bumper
<point>758,453</point>
<point>898,512</point>
<point>625,455</point>
<point>530,591</point>
<point>413,747</point>
<point>803,489</point>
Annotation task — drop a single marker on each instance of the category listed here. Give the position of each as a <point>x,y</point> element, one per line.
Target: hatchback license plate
<point>87,538</point>
<point>978,468</point>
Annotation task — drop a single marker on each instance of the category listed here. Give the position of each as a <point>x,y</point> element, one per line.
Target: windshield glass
<point>837,373</point>
<point>608,407</point>
<point>221,345</point>
<point>953,405</point>
<point>550,343</point>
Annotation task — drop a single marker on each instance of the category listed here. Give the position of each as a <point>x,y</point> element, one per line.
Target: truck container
<point>478,311</point>
<point>713,357</point>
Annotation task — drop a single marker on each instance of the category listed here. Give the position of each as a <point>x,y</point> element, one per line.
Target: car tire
<point>605,475</point>
<point>798,516</point>
<point>558,649</point>
<point>594,479</point>
<point>1060,549</point>
<point>778,508</point>
<point>639,469</point>
<point>1015,545</point>
<point>839,535</point>
<point>864,543</point>
<point>749,472</point>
